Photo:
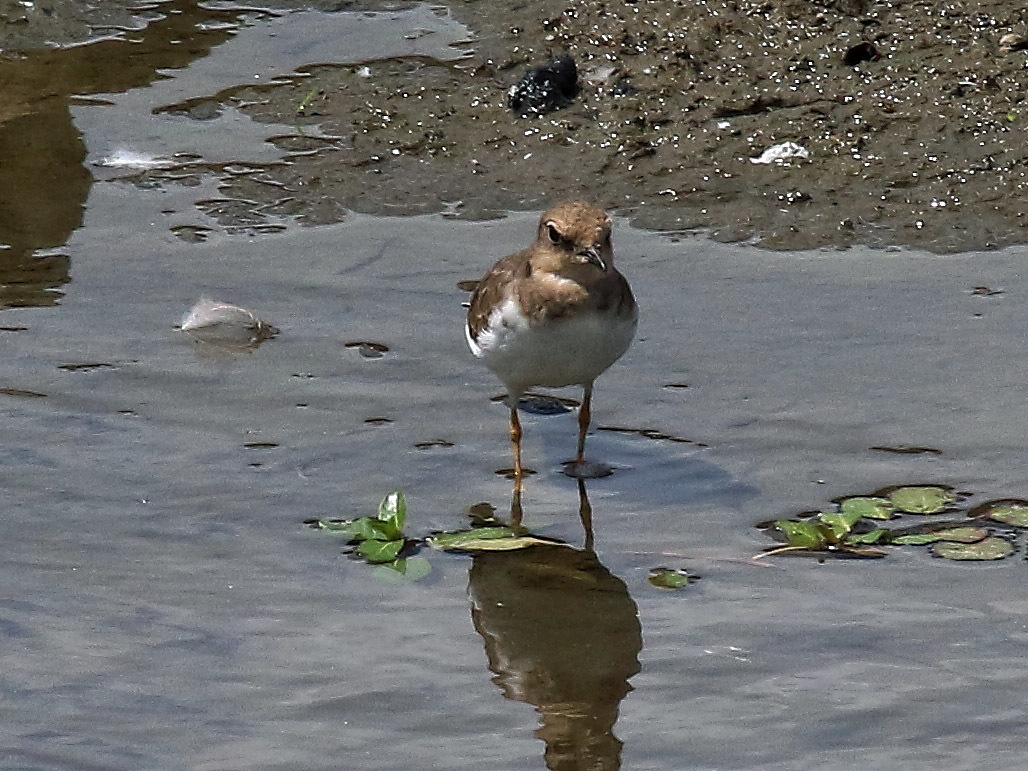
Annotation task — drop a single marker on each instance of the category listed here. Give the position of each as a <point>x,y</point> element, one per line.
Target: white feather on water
<point>217,321</point>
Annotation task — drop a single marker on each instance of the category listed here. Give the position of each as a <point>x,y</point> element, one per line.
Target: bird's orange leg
<point>515,444</point>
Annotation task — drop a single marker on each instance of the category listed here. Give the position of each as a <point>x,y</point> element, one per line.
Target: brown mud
<point>922,146</point>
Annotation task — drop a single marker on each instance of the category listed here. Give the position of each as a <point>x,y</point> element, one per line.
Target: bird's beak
<point>592,255</point>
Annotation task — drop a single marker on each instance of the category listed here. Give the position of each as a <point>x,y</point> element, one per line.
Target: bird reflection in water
<point>561,633</point>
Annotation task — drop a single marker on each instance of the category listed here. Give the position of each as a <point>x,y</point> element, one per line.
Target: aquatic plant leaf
<point>509,544</point>
<point>488,539</point>
<point>916,539</point>
<point>921,499</point>
<point>875,536</point>
<point>804,535</point>
<point>992,548</point>
<point>456,539</point>
<point>868,507</point>
<point>963,534</point>
<point>376,551</point>
<point>859,551</point>
<point>951,534</point>
<point>403,570</point>
<point>359,529</point>
<point>666,578</point>
<point>840,523</point>
<point>392,514</point>
<point>1008,512</point>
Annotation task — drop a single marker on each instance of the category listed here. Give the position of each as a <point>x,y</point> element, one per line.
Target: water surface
<point>164,607</point>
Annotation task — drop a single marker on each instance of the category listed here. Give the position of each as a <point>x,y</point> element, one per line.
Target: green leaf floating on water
<point>875,536</point>
<point>840,523</point>
<point>916,539</point>
<point>457,538</point>
<point>487,539</point>
<point>360,529</point>
<point>868,507</point>
<point>992,548</point>
<point>387,525</point>
<point>803,535</point>
<point>1008,512</point>
<point>375,551</point>
<point>918,499</point>
<point>952,535</point>
<point>666,578</point>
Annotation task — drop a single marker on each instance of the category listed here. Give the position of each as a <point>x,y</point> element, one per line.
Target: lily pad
<point>668,578</point>
<point>1009,512</point>
<point>992,548</point>
<point>952,535</point>
<point>922,499</point>
<point>868,506</point>
<point>916,539</point>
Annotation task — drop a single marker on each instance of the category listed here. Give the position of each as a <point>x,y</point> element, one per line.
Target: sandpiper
<point>554,314</point>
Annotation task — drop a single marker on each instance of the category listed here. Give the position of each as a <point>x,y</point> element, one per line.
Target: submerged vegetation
<point>380,541</point>
<point>854,527</point>
<point>866,526</point>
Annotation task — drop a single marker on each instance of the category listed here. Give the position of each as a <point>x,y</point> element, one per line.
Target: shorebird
<point>555,314</point>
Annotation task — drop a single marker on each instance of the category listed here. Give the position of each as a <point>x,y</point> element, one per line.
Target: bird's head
<point>574,241</point>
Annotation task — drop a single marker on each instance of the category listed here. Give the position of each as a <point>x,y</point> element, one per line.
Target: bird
<point>555,314</point>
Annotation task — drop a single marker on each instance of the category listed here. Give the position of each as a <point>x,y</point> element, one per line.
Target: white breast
<point>572,351</point>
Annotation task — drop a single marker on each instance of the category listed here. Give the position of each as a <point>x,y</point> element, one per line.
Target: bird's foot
<point>510,473</point>
<point>587,469</point>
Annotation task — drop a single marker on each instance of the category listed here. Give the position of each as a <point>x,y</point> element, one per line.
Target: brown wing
<point>493,289</point>
<point>542,301</point>
<point>614,293</point>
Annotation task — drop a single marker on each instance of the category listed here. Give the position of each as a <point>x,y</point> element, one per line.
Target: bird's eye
<point>553,233</point>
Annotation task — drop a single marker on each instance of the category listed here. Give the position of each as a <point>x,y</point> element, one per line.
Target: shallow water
<point>164,607</point>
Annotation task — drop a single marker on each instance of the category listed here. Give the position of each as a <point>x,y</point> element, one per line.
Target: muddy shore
<point>920,144</point>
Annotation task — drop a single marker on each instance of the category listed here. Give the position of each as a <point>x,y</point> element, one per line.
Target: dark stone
<point>862,52</point>
<point>545,89</point>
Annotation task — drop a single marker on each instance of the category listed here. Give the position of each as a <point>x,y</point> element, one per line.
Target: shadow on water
<point>561,633</point>
<point>43,182</point>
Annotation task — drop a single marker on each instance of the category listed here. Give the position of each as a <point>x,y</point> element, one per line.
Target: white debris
<point>599,75</point>
<point>1012,42</point>
<point>216,321</point>
<point>780,153</point>
<point>364,72</point>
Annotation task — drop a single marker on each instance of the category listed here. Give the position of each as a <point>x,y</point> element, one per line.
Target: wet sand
<point>920,146</point>
<point>917,145</point>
